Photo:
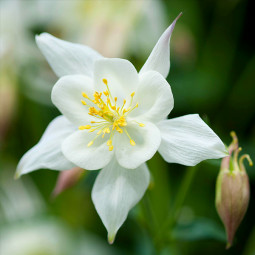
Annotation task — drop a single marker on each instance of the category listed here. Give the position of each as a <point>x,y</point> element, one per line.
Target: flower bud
<point>232,190</point>
<point>67,179</point>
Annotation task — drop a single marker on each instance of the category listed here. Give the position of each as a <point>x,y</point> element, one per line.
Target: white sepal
<point>159,59</point>
<point>187,140</point>
<point>116,191</point>
<point>47,153</point>
<point>67,58</point>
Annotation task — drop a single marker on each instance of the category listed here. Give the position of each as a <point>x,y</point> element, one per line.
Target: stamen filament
<point>112,118</point>
<point>106,83</point>
<point>130,110</point>
<point>140,124</point>
<point>132,97</point>
<point>132,142</point>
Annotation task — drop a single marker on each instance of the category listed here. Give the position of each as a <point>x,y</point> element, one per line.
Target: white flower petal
<point>47,153</point>
<point>67,96</point>
<point>121,75</point>
<point>94,157</point>
<point>147,141</point>
<point>188,140</point>
<point>67,58</point>
<point>116,191</point>
<point>154,97</point>
<point>159,59</point>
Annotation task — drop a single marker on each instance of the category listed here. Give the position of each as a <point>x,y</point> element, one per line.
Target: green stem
<point>151,222</point>
<point>181,195</point>
<point>179,201</point>
<point>149,214</point>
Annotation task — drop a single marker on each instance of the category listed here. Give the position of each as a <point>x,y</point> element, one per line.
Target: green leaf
<point>199,229</point>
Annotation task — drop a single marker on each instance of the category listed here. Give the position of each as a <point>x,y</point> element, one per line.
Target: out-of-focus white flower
<point>113,27</point>
<point>19,200</point>
<point>114,119</point>
<point>35,237</point>
<point>118,28</point>
<point>27,228</point>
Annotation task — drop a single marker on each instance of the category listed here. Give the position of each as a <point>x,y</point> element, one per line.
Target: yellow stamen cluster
<point>112,117</point>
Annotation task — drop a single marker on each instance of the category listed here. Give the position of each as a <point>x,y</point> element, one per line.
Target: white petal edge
<point>116,191</point>
<point>147,141</point>
<point>94,157</point>
<point>121,75</point>
<point>154,97</point>
<point>188,140</point>
<point>67,58</point>
<point>159,59</point>
<point>47,153</point>
<point>67,95</point>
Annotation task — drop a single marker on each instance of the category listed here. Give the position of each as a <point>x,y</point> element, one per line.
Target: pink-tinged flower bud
<point>67,179</point>
<point>232,190</point>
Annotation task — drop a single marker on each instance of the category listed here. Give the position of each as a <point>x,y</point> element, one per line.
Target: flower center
<point>111,117</point>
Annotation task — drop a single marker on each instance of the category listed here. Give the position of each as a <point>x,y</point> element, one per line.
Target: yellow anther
<point>90,143</point>
<point>124,102</point>
<point>119,129</point>
<point>84,127</point>
<point>107,130</point>
<point>111,116</point>
<point>93,110</point>
<point>83,102</point>
<point>101,106</point>
<point>132,142</point>
<point>126,110</point>
<point>105,81</point>
<point>97,96</point>
<point>84,95</point>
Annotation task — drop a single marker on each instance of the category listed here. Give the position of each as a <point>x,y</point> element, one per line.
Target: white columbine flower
<point>115,119</point>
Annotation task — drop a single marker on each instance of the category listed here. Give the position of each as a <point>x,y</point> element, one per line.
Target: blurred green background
<point>212,73</point>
